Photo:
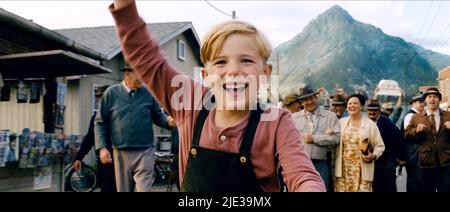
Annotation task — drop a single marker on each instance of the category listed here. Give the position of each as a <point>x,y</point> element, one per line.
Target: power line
<point>424,21</point>
<point>441,39</point>
<point>445,44</point>
<point>432,21</point>
<point>220,11</point>
<point>442,35</point>
<point>424,37</point>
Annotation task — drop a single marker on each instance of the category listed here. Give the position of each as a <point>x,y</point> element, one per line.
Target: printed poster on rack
<point>42,174</point>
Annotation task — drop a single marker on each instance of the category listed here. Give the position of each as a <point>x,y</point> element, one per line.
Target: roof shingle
<point>104,39</point>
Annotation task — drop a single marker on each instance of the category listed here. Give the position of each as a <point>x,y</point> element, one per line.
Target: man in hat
<point>105,171</point>
<point>320,129</point>
<point>292,103</point>
<point>338,106</point>
<point>431,129</point>
<point>385,177</point>
<point>127,113</point>
<point>411,149</point>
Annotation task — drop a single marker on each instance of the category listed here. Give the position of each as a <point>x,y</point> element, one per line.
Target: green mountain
<point>335,50</point>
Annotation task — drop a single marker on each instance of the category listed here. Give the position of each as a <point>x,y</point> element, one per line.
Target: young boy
<point>226,148</point>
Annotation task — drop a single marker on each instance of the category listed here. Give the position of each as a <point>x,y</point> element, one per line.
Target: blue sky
<point>423,22</point>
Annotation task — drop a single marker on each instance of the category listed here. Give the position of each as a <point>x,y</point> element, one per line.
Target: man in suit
<point>431,129</point>
<point>411,149</point>
<point>385,178</point>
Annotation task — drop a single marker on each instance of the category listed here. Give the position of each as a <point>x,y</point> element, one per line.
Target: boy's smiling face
<point>233,75</point>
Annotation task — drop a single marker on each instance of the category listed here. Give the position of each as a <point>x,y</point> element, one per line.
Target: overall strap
<point>199,124</point>
<point>250,131</point>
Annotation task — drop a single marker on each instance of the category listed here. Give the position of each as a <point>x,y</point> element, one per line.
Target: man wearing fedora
<point>411,148</point>
<point>292,103</point>
<point>320,129</point>
<point>431,130</point>
<point>127,113</point>
<point>338,106</point>
<point>385,178</point>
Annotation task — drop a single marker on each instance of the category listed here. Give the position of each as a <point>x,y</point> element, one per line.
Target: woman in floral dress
<point>355,170</point>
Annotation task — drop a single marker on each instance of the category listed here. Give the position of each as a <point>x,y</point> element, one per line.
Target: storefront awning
<point>55,63</point>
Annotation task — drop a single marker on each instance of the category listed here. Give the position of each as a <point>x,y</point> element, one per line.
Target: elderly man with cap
<point>127,113</point>
<point>411,148</point>
<point>338,106</point>
<point>431,129</point>
<point>385,178</point>
<point>320,129</point>
<point>292,103</point>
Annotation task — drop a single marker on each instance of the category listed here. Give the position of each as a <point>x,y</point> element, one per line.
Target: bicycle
<point>82,180</point>
<point>164,170</point>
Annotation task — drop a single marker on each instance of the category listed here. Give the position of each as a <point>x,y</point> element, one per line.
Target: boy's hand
<point>118,4</point>
<point>105,156</point>
<point>308,138</point>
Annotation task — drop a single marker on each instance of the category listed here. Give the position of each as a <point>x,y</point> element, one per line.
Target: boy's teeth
<point>232,86</point>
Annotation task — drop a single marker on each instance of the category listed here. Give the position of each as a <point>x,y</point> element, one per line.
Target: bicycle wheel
<point>83,180</point>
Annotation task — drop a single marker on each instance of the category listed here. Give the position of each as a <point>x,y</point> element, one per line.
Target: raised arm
<point>144,55</point>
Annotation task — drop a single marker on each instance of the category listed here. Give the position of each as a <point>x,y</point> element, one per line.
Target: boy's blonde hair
<point>214,39</point>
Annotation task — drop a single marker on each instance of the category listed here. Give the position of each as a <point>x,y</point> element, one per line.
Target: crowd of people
<point>366,146</point>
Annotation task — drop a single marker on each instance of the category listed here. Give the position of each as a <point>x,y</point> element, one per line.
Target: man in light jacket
<point>320,129</point>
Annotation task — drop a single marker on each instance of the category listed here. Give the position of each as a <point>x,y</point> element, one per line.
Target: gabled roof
<point>46,61</point>
<point>10,20</point>
<point>104,39</point>
<point>444,70</point>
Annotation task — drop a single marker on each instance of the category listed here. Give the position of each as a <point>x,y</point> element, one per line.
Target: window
<point>181,50</point>
<point>447,87</point>
<point>95,102</point>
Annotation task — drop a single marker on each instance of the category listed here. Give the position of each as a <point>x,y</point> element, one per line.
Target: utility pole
<point>406,80</point>
<point>278,66</point>
<point>233,14</point>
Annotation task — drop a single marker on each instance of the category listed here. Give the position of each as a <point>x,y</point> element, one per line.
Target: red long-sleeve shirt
<point>276,140</point>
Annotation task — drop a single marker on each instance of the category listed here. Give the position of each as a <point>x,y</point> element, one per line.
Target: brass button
<point>193,151</point>
<point>223,138</point>
<point>243,159</point>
